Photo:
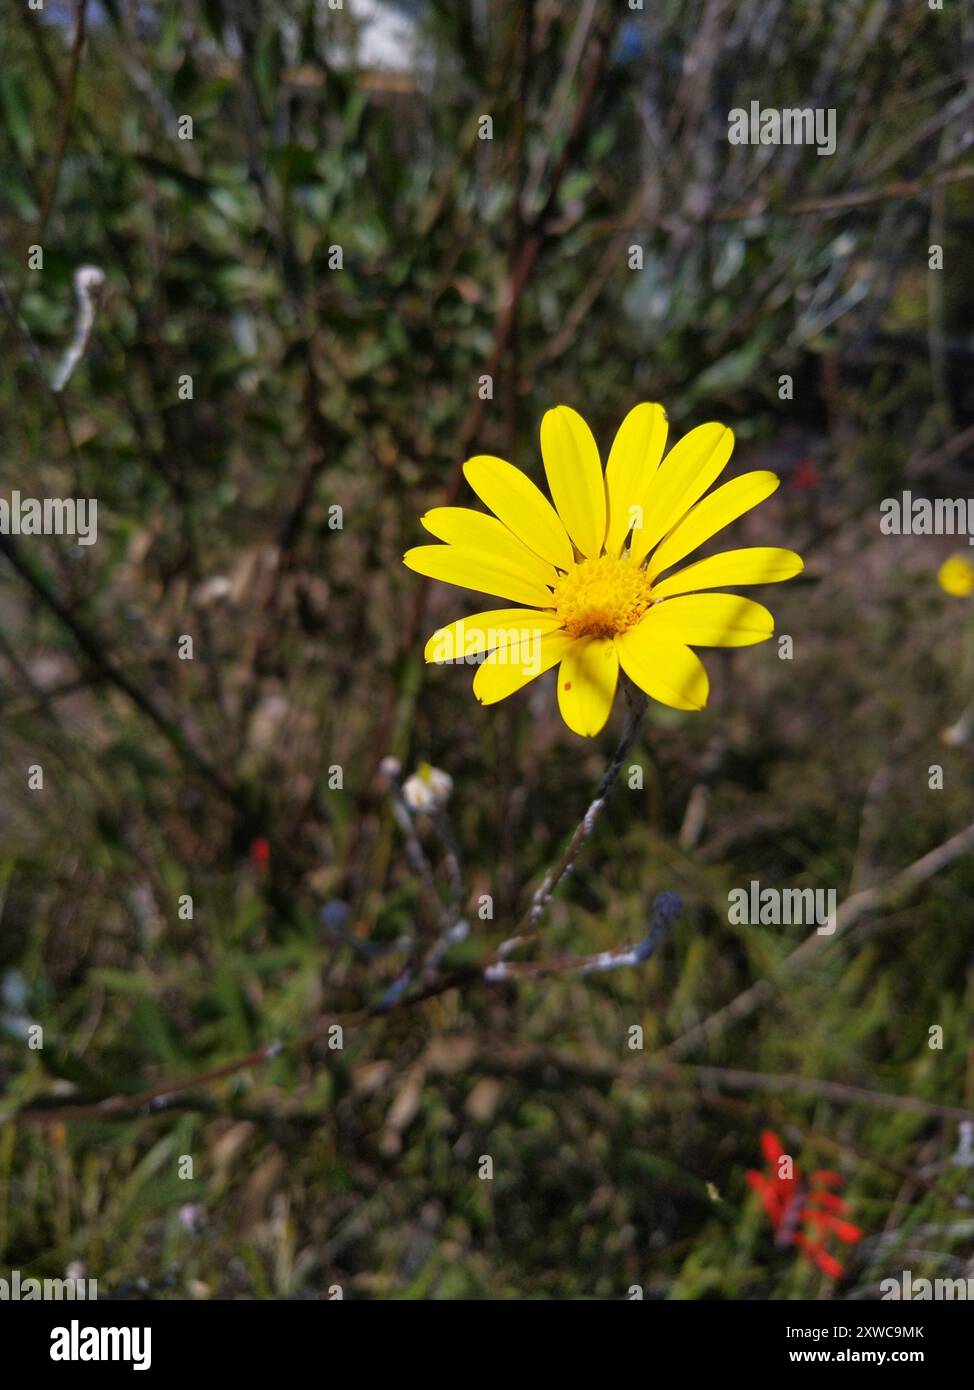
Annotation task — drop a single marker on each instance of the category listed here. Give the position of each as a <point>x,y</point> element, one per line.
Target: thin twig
<point>635,712</point>
<point>60,144</point>
<point>666,908</point>
<point>93,648</point>
<point>415,853</point>
<point>838,202</point>
<point>21,330</point>
<point>849,912</point>
<point>88,280</point>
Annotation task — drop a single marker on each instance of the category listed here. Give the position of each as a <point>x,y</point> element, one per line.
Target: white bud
<point>427,789</point>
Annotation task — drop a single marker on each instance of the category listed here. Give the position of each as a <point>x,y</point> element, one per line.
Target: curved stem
<point>635,712</point>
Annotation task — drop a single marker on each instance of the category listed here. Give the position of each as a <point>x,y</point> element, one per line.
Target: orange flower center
<point>603,596</point>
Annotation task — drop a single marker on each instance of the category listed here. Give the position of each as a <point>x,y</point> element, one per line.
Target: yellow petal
<point>587,684</point>
<point>710,516</point>
<point>574,473</point>
<point>710,620</point>
<point>483,632</point>
<point>759,564</point>
<point>693,463</point>
<point>476,531</point>
<point>667,671</point>
<point>473,569</point>
<point>522,507</point>
<point>633,460</point>
<point>507,669</point>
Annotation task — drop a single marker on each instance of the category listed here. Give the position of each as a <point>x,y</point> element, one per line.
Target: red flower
<point>806,477</point>
<point>801,1212</point>
<point>260,852</point>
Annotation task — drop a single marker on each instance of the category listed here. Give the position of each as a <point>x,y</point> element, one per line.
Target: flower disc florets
<point>602,597</point>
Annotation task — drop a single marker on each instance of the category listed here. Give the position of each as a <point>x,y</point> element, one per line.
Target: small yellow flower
<point>956,576</point>
<point>593,566</point>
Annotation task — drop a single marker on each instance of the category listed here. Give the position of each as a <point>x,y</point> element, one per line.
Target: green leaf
<point>16,118</point>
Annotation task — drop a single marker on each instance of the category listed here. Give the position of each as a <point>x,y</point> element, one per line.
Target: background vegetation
<point>315,387</point>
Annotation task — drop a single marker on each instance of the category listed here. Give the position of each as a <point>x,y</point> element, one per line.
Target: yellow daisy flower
<point>956,576</point>
<point>592,568</point>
